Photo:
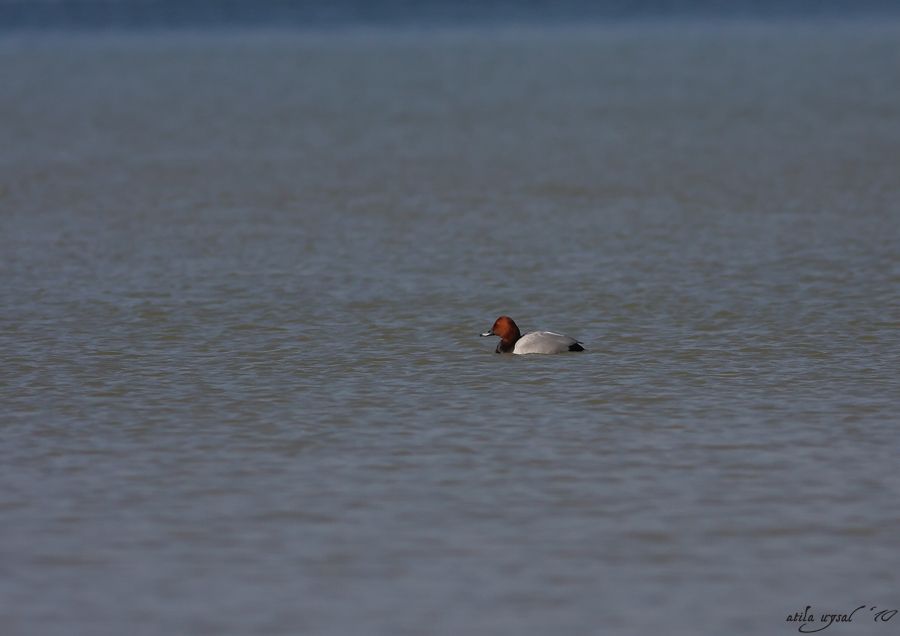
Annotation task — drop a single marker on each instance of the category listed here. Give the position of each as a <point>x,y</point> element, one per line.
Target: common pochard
<point>512,340</point>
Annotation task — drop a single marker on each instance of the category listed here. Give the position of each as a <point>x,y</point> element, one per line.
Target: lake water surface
<point>242,281</point>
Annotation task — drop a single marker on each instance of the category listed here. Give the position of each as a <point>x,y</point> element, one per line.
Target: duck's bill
<point>487,333</point>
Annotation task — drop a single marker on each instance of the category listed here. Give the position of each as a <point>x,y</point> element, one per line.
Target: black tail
<point>576,347</point>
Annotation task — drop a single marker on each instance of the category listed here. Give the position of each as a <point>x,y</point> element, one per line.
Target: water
<point>243,277</point>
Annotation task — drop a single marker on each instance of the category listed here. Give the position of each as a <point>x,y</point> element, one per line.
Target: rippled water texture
<point>242,282</point>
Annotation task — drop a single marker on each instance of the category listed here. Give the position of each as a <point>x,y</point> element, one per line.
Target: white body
<point>543,342</point>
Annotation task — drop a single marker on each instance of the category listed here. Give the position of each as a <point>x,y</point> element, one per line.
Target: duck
<point>512,340</point>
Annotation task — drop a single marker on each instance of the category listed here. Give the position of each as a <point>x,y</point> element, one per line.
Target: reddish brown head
<point>506,329</point>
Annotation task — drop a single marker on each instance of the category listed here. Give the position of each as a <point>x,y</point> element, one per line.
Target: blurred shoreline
<point>91,16</point>
<point>449,32</point>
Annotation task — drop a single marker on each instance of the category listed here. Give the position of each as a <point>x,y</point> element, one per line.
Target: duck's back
<point>546,342</point>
